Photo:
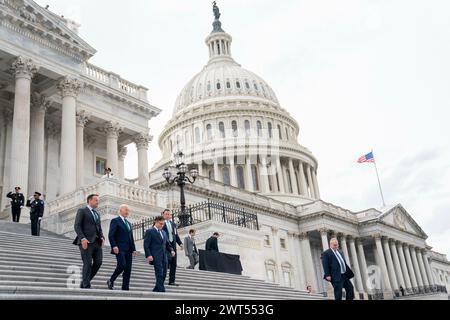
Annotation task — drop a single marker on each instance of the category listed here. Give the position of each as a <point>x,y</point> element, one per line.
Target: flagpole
<point>379,183</point>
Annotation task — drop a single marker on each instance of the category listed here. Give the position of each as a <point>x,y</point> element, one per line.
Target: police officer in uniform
<point>17,202</point>
<point>36,213</point>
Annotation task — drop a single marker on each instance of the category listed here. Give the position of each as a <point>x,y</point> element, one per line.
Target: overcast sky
<point>356,74</point>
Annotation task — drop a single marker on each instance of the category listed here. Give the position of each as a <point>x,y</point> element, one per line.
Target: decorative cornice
<point>112,129</point>
<point>24,68</point>
<point>323,231</point>
<point>303,236</point>
<point>142,140</point>
<point>377,236</point>
<point>82,118</point>
<point>69,87</point>
<point>39,102</point>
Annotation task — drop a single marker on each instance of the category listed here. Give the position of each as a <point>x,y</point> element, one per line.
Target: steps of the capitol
<point>37,268</point>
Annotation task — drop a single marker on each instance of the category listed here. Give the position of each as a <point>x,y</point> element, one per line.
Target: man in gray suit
<point>90,239</point>
<point>190,249</point>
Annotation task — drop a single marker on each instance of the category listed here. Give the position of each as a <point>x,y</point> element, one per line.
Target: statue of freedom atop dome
<point>216,11</point>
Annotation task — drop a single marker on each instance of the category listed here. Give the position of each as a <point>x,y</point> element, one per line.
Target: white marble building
<point>64,119</point>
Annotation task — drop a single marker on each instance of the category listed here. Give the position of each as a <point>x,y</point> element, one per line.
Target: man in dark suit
<point>172,234</point>
<point>190,249</point>
<point>211,243</point>
<point>17,203</point>
<point>122,246</point>
<point>36,213</point>
<point>156,246</point>
<point>337,271</point>
<point>90,239</point>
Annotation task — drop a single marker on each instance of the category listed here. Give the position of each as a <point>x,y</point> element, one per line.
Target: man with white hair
<point>122,246</point>
<point>337,271</point>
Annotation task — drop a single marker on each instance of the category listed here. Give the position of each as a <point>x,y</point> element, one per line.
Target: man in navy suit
<point>156,246</point>
<point>337,271</point>
<point>122,246</point>
<point>172,234</point>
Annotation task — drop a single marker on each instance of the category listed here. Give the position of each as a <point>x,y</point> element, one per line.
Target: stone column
<point>324,238</point>
<point>344,247</point>
<point>362,263</point>
<point>233,177</point>
<point>302,178</point>
<point>310,183</point>
<point>293,179</point>
<point>264,174</point>
<point>423,273</point>
<point>23,70</point>
<point>403,264</point>
<point>412,251</point>
<point>112,131</point>
<point>36,178</point>
<point>411,273</point>
<point>315,183</point>
<point>308,263</point>
<point>248,174</point>
<point>279,172</point>
<point>7,184</point>
<point>123,151</point>
<point>390,264</point>
<point>82,120</point>
<point>69,89</point>
<point>217,173</point>
<point>357,270</point>
<point>142,141</point>
<point>397,266</point>
<point>427,267</point>
<point>382,263</point>
<point>297,255</point>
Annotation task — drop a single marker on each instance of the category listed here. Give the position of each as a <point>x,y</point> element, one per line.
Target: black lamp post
<point>181,179</point>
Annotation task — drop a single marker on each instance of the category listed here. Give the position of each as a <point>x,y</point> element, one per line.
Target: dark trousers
<point>92,261</point>
<point>35,226</point>
<point>172,261</point>
<point>160,266</point>
<point>347,285</point>
<point>15,213</point>
<point>124,262</point>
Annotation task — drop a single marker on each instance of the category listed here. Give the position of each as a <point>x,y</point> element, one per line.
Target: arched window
<point>247,128</point>
<point>259,128</point>
<point>178,142</point>
<point>226,175</point>
<point>279,132</point>
<point>218,85</point>
<point>222,129</point>
<point>289,181</point>
<point>271,268</point>
<point>240,177</point>
<point>255,178</point>
<point>247,85</point>
<point>211,175</point>
<point>171,146</point>
<point>269,126</point>
<point>209,132</point>
<point>287,274</point>
<point>186,138</point>
<point>256,86</point>
<point>197,135</point>
<point>228,85</point>
<point>238,84</point>
<point>234,128</point>
<point>208,86</point>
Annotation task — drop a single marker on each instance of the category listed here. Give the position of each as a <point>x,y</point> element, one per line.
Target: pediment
<point>401,219</point>
<point>40,22</point>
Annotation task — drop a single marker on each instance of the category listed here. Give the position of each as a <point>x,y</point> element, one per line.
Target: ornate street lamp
<point>181,179</point>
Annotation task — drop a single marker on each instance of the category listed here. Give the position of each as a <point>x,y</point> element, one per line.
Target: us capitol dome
<point>229,124</point>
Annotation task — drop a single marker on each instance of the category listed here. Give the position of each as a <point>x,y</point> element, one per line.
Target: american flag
<point>367,158</point>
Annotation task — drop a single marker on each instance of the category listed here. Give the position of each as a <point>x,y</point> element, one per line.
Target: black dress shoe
<point>110,285</point>
<point>174,284</point>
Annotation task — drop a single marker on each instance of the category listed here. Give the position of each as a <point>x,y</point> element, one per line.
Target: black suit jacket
<point>86,227</point>
<point>17,199</point>
<point>176,238</point>
<point>37,208</point>
<point>211,244</point>
<point>332,268</point>
<point>120,236</point>
<point>156,246</point>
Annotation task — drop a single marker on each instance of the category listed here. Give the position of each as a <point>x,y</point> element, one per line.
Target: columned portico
<point>390,264</point>
<point>397,265</point>
<point>308,263</point>
<point>427,267</point>
<point>82,120</point>
<point>69,89</point>
<point>362,263</point>
<point>382,263</point>
<point>357,270</point>
<point>411,273</point>
<point>23,70</point>
<point>39,106</point>
<point>142,141</point>
<point>412,251</point>
<point>403,264</point>
<point>423,273</point>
